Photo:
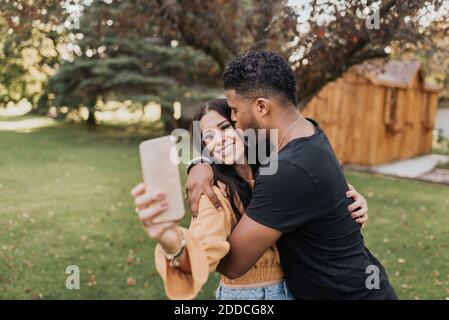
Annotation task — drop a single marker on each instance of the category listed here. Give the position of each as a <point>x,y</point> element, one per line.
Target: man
<point>302,207</point>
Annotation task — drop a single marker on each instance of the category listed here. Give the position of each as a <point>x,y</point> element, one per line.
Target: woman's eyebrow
<point>218,125</point>
<point>222,123</point>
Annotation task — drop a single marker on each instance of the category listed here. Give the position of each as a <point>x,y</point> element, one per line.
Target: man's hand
<point>200,181</point>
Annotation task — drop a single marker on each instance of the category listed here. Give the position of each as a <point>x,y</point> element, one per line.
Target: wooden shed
<point>377,112</point>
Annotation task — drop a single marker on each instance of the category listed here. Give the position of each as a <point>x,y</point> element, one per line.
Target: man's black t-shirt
<point>322,250</point>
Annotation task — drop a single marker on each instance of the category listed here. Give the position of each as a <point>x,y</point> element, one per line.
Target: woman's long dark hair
<point>237,187</point>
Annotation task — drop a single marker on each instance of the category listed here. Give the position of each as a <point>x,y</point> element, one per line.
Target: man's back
<point>322,249</point>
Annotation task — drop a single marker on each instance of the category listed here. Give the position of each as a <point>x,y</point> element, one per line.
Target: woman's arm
<point>205,243</point>
<point>170,241</point>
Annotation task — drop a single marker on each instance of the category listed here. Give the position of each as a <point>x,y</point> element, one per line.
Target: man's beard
<point>253,124</point>
<point>257,142</point>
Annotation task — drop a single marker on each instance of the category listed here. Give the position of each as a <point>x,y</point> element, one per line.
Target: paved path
<point>437,175</point>
<point>411,168</point>
<point>419,168</point>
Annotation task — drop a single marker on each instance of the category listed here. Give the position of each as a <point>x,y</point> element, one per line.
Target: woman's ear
<point>262,106</point>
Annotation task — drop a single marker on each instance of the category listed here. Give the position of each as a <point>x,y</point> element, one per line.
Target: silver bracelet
<point>173,257</point>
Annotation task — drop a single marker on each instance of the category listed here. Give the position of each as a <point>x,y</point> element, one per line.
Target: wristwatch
<point>195,161</point>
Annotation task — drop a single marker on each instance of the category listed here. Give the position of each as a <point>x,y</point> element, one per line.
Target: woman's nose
<point>219,139</point>
<point>228,134</point>
<point>223,139</point>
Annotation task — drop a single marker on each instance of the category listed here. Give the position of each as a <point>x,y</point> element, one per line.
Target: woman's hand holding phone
<point>150,206</point>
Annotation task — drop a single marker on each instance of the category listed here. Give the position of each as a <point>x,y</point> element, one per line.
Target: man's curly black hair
<point>261,72</point>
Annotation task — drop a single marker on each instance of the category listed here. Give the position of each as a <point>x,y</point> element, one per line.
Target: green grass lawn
<point>64,199</point>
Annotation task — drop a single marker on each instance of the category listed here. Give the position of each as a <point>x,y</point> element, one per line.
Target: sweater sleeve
<point>206,245</point>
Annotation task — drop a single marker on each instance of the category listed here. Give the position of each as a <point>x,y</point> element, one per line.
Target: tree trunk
<point>91,121</point>
<point>91,105</point>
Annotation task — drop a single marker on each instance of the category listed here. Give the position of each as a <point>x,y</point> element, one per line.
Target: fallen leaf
<point>130,281</point>
<point>92,281</point>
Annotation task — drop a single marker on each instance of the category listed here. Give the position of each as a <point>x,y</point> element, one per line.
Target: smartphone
<point>160,169</point>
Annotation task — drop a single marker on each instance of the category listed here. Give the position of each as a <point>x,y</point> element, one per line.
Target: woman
<point>185,257</point>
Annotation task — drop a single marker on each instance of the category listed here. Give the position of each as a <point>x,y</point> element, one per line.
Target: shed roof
<point>394,73</point>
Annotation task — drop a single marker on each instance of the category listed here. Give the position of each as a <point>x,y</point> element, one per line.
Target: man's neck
<point>291,124</point>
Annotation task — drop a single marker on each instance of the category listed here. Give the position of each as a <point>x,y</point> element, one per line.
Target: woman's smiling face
<point>221,139</point>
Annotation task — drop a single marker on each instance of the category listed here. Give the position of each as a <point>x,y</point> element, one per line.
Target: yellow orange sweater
<point>206,244</point>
